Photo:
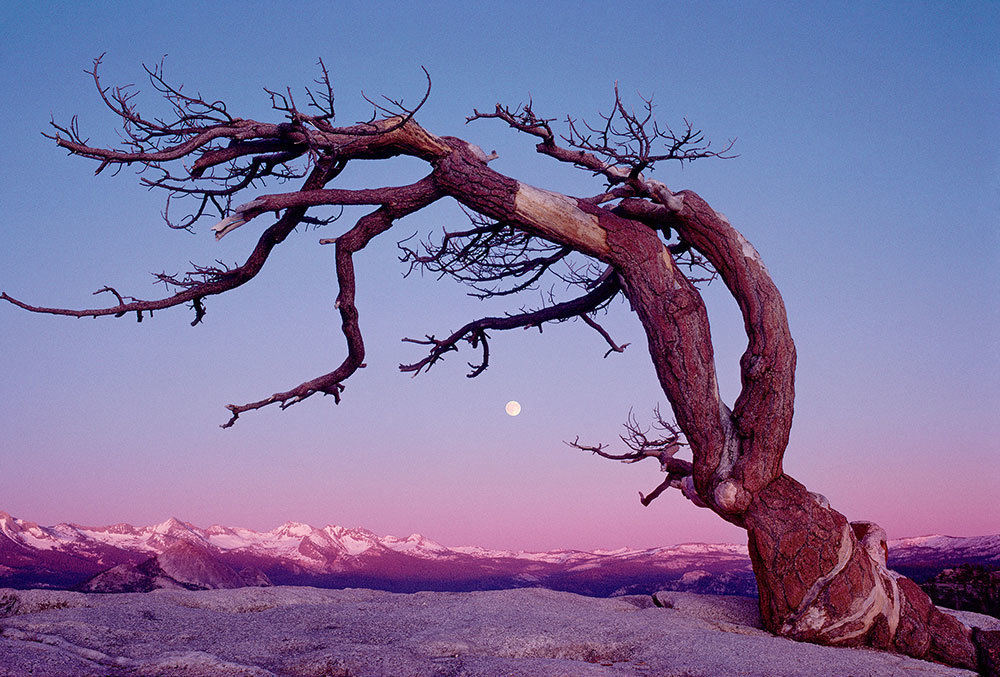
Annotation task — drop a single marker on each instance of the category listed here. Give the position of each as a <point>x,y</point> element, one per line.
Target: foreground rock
<point>310,631</point>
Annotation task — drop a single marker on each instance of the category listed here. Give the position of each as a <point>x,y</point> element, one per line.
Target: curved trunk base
<point>825,581</point>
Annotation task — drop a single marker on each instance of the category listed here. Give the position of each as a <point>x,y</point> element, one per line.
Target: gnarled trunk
<point>823,580</point>
<point>820,579</point>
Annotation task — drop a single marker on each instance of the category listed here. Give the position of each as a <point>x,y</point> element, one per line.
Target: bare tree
<point>821,579</point>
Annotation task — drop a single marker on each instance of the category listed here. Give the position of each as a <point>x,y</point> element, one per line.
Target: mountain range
<point>177,554</point>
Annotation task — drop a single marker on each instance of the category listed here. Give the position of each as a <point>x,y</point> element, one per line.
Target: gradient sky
<point>867,178</point>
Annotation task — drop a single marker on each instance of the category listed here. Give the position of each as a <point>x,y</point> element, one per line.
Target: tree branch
<point>663,448</point>
<point>621,148</point>
<point>475,332</point>
<point>615,348</point>
<point>217,283</point>
<point>486,255</point>
<point>415,197</point>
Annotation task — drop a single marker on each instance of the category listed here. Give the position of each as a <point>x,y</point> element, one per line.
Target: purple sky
<point>867,178</point>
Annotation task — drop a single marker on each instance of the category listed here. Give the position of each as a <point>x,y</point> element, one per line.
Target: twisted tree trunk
<point>819,578</point>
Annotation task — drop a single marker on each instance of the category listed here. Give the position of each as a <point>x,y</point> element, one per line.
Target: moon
<point>513,408</point>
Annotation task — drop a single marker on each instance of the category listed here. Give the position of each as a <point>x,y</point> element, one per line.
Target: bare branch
<point>485,256</point>
<point>418,196</point>
<point>213,280</point>
<point>615,348</point>
<point>646,499</point>
<point>626,144</point>
<point>523,119</point>
<point>398,110</point>
<point>475,332</point>
<point>662,447</point>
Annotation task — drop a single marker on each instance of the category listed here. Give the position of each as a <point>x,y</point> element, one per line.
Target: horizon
<point>187,523</point>
<point>866,179</point>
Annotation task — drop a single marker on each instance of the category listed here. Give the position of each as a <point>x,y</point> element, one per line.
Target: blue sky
<point>867,177</point>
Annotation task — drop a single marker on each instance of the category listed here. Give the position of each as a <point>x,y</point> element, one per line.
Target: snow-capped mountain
<point>923,557</point>
<point>179,554</point>
<point>980,548</point>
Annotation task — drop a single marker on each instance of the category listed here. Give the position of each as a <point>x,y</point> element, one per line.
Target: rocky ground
<point>316,632</point>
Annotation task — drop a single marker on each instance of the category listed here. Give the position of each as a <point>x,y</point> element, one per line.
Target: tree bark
<point>819,578</point>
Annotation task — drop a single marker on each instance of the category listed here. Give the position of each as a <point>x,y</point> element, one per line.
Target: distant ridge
<point>174,553</point>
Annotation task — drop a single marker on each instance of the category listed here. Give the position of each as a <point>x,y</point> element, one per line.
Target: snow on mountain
<point>477,551</point>
<point>293,530</point>
<point>417,546</point>
<point>985,548</point>
<point>65,555</point>
<point>116,536</point>
<point>28,534</point>
<point>353,541</point>
<point>296,540</point>
<point>619,551</point>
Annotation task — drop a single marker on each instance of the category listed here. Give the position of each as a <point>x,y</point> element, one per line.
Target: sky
<point>868,178</point>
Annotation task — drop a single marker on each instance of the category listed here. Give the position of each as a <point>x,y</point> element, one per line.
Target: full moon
<point>513,408</point>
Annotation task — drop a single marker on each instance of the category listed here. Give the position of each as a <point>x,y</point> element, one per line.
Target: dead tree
<point>821,578</point>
